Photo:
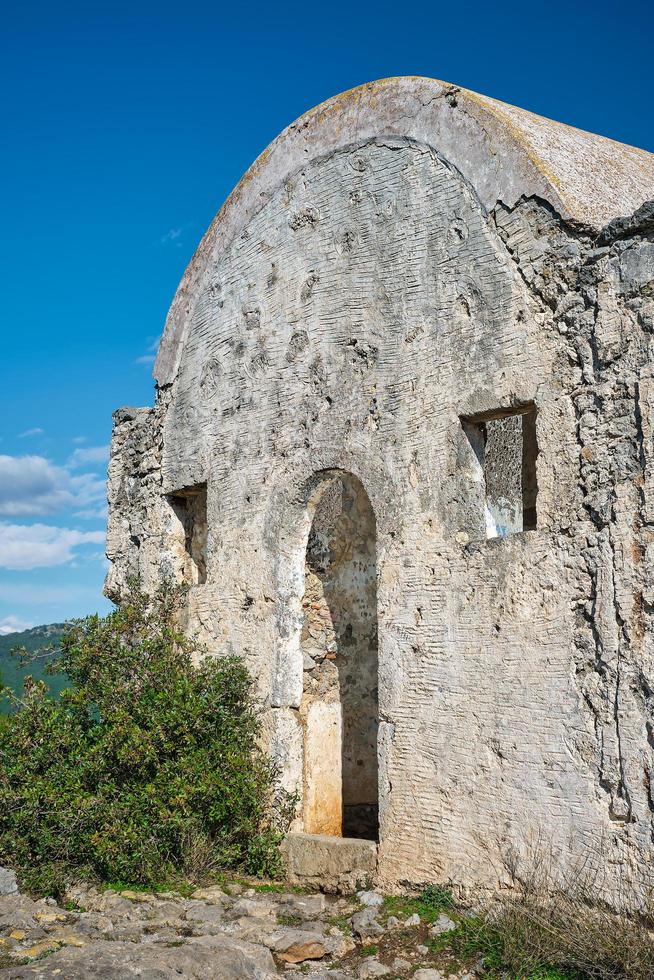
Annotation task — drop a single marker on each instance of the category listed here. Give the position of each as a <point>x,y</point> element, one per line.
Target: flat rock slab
<point>330,864</point>
<point>299,952</point>
<point>208,958</point>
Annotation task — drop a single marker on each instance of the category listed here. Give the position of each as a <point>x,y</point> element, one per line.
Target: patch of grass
<point>126,886</point>
<point>429,904</point>
<point>438,944</point>
<point>181,887</point>
<point>474,936</point>
<point>46,952</point>
<point>263,887</point>
<point>543,933</point>
<point>568,933</point>
<point>437,897</point>
<point>73,907</point>
<point>551,973</point>
<point>341,922</point>
<point>371,950</point>
<point>405,937</point>
<point>287,919</point>
<point>553,937</point>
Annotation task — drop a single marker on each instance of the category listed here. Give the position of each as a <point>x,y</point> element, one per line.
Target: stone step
<point>335,865</point>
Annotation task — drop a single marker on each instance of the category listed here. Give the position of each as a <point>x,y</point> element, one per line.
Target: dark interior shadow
<point>341,570</point>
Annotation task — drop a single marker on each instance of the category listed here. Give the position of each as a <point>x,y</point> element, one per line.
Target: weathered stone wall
<point>136,505</point>
<point>368,309</point>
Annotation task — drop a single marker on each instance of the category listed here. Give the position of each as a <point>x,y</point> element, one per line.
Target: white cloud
<point>31,432</point>
<point>151,356</point>
<point>78,440</point>
<point>90,494</point>
<point>94,513</point>
<point>33,486</point>
<point>172,237</point>
<point>88,455</point>
<point>12,624</point>
<point>41,545</point>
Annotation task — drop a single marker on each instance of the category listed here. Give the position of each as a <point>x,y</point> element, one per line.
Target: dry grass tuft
<point>198,855</point>
<point>556,931</point>
<point>561,931</point>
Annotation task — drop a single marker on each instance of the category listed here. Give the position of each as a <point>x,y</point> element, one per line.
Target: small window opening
<point>504,443</point>
<point>190,508</point>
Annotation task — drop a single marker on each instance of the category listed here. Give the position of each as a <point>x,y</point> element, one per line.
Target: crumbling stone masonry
<point>402,450</point>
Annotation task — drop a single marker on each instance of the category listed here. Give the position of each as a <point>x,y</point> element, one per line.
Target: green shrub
<point>146,769</point>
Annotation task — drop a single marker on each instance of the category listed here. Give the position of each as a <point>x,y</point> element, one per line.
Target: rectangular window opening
<point>504,443</point>
<point>190,507</point>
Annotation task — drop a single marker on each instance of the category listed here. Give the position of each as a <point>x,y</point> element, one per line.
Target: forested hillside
<point>33,640</point>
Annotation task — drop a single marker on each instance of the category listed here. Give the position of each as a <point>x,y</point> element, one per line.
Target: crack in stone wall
<point>600,295</point>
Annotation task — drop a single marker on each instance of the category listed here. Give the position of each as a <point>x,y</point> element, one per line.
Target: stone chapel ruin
<point>402,451</point>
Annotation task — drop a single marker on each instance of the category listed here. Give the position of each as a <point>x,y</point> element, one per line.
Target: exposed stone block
<point>330,864</point>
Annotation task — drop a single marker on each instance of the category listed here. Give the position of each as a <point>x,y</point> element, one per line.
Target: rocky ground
<point>219,933</point>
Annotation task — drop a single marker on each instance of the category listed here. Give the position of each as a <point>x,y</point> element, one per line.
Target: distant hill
<point>11,671</point>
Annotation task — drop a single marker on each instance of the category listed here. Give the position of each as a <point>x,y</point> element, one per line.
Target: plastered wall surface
<point>370,304</point>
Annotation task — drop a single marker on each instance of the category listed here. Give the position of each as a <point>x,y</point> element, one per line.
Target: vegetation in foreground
<point>146,769</point>
<point>540,934</point>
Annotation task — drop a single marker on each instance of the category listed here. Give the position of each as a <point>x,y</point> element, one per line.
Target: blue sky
<point>125,125</point>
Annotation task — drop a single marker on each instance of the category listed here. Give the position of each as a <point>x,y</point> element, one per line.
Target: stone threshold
<point>335,865</point>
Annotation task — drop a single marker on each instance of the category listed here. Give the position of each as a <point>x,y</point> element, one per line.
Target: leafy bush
<point>146,769</point>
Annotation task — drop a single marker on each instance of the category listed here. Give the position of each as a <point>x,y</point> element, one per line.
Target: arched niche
<point>339,710</point>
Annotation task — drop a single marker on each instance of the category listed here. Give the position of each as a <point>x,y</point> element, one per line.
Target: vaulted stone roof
<point>504,153</point>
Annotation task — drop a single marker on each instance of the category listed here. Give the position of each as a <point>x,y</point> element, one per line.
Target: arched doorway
<point>339,708</point>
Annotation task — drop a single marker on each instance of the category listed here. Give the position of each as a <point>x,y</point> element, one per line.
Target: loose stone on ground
<point>219,933</point>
